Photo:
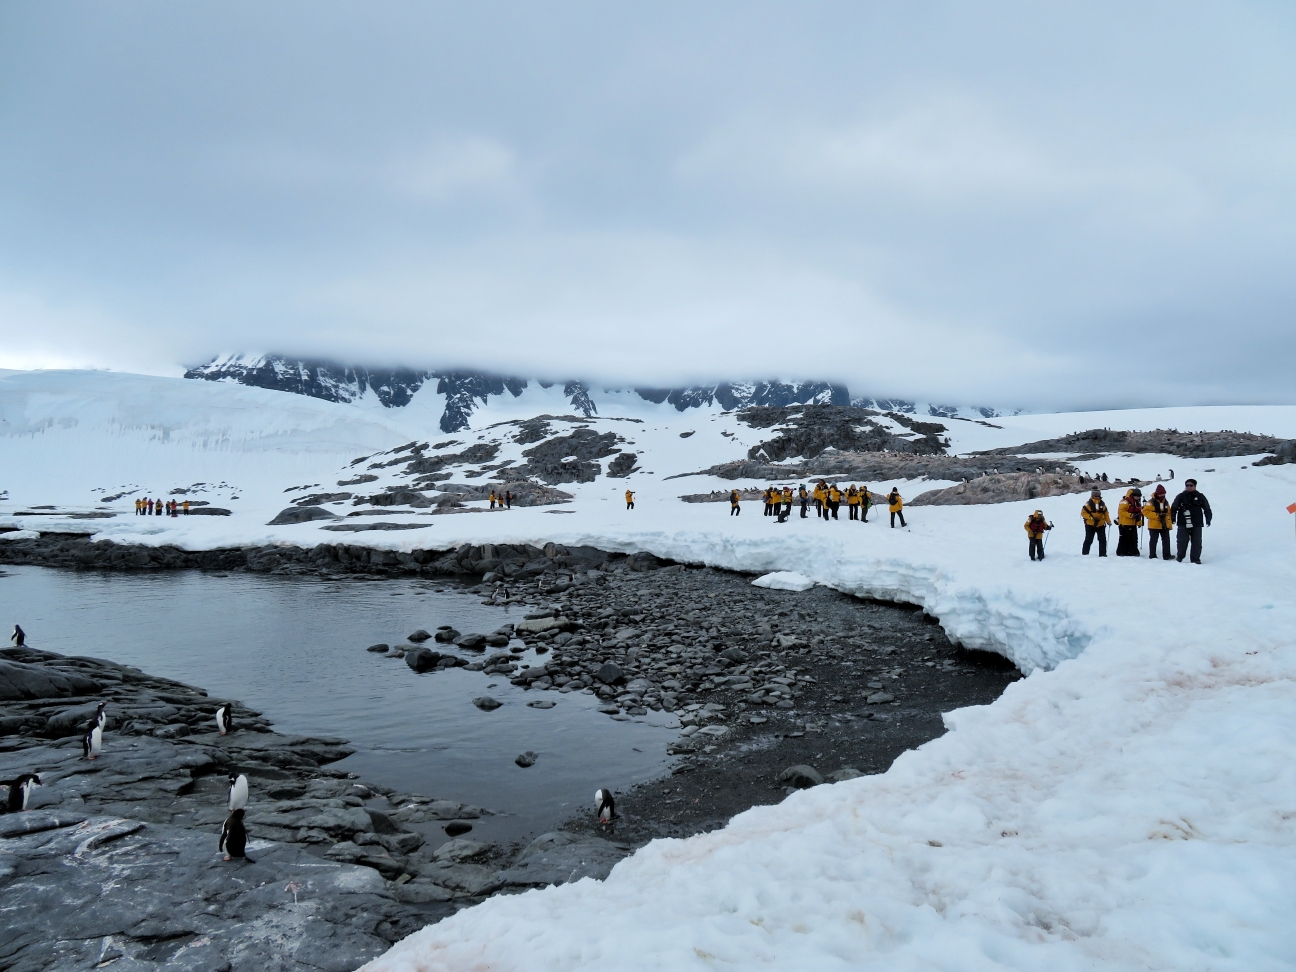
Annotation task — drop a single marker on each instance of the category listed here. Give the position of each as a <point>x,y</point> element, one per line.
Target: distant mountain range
<point>463,390</point>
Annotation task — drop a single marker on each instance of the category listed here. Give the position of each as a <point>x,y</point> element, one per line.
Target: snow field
<point>1130,805</point>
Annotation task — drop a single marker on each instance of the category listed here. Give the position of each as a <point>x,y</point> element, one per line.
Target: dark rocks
<point>801,776</point>
<point>561,857</point>
<point>486,704</point>
<point>378,647</point>
<point>541,704</point>
<point>456,828</point>
<point>622,465</point>
<point>418,637</point>
<point>879,698</point>
<point>643,561</point>
<point>609,673</point>
<point>22,681</point>
<point>422,659</point>
<point>473,642</point>
<point>446,634</point>
<point>300,514</point>
<point>734,655</point>
<point>526,759</point>
<point>843,774</point>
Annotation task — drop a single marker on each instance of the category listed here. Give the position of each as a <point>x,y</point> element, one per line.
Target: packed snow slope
<point>1130,805</point>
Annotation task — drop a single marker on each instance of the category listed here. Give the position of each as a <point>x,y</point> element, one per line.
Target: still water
<point>293,649</point>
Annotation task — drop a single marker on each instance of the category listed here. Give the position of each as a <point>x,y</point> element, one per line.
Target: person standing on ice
<point>834,499</point>
<point>186,507</point>
<point>734,508</point>
<point>1156,512</point>
<point>1096,521</point>
<point>629,500</point>
<point>866,500</point>
<point>820,498</point>
<point>805,499</point>
<point>1191,512</point>
<point>895,503</point>
<point>852,502</point>
<point>508,500</point>
<point>768,499</point>
<point>1129,517</point>
<point>786,496</point>
<point>1036,526</point>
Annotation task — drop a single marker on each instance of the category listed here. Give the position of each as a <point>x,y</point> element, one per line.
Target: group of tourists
<point>503,501</point>
<point>150,507</point>
<point>1190,512</point>
<point>826,499</point>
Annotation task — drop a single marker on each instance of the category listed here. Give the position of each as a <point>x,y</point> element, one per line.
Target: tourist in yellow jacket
<point>629,500</point>
<point>1036,527</point>
<point>1096,520</point>
<point>804,496</point>
<point>1156,512</point>
<point>895,503</point>
<point>834,499</point>
<point>820,495</point>
<point>866,500</point>
<point>786,497</point>
<point>734,508</point>
<point>852,502</point>
<point>1129,517</point>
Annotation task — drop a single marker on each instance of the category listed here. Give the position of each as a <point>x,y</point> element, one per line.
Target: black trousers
<point>769,509</point>
<point>735,509</point>
<point>1127,545</point>
<point>899,513</point>
<point>1090,533</point>
<point>1036,548</point>
<point>1189,535</point>
<point>854,511</point>
<point>1152,544</point>
<point>630,505</point>
<point>864,512</point>
<point>834,508</point>
<point>803,508</point>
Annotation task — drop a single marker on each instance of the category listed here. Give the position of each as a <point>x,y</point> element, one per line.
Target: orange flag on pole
<point>1292,508</point>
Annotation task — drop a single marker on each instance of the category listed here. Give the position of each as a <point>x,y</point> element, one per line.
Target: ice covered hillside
<point>1130,805</point>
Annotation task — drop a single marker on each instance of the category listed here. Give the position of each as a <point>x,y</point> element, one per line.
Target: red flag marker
<point>1292,508</point>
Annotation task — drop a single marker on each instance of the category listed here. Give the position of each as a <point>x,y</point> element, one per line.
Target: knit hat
<point>1096,492</point>
<point>1159,491</point>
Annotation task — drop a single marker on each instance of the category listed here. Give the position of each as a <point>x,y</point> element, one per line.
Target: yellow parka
<point>834,494</point>
<point>895,502</point>
<point>629,496</point>
<point>733,497</point>
<point>1157,519</point>
<point>819,494</point>
<point>1129,513</point>
<point>1095,514</point>
<point>865,498</point>
<point>1035,527</point>
<point>852,497</point>
<point>787,495</point>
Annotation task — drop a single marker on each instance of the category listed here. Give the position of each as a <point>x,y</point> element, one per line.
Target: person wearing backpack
<point>1036,527</point>
<point>1156,512</point>
<point>1129,517</point>
<point>1096,520</point>
<point>895,504</point>
<point>1191,512</point>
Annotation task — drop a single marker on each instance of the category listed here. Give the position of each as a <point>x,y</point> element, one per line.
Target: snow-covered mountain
<point>465,392</point>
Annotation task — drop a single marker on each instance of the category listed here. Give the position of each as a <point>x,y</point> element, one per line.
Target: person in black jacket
<point>1190,511</point>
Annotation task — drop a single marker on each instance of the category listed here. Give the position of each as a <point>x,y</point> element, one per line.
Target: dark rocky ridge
<point>1190,445</point>
<point>811,430</point>
<point>881,466</point>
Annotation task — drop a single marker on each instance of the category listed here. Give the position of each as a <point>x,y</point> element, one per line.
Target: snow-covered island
<point>1131,804</point>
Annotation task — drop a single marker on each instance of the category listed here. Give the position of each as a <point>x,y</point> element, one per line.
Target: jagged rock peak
<point>735,395</point>
<point>332,382</point>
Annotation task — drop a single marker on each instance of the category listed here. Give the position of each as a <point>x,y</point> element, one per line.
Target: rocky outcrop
<point>1171,442</point>
<point>809,431</point>
<point>317,379</point>
<point>878,467</point>
<point>570,458</point>
<point>737,395</point>
<point>1012,488</point>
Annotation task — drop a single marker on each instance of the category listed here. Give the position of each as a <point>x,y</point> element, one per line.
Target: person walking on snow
<point>1129,517</point>
<point>866,501</point>
<point>834,499</point>
<point>1191,512</point>
<point>1156,512</point>
<point>805,499</point>
<point>1096,521</point>
<point>629,500</point>
<point>819,498</point>
<point>186,507</point>
<point>768,497</point>
<point>1036,526</point>
<point>895,503</point>
<point>734,508</point>
<point>19,636</point>
<point>852,502</point>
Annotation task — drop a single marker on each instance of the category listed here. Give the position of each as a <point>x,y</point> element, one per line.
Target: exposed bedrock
<point>1190,445</point>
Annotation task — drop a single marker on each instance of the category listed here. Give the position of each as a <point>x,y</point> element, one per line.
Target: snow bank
<point>1130,805</point>
<point>784,580</point>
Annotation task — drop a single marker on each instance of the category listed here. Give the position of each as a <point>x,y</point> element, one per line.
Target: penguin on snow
<point>604,806</point>
<point>238,792</point>
<point>92,740</point>
<point>20,791</point>
<point>233,838</point>
<point>225,718</point>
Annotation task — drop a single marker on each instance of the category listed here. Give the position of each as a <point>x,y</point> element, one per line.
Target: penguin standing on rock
<point>225,718</point>
<point>19,636</point>
<point>233,838</point>
<point>92,740</point>
<point>100,718</point>
<point>238,792</point>
<point>20,792</point>
<point>604,806</point>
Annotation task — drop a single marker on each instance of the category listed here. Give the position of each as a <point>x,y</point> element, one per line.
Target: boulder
<point>418,637</point>
<point>560,857</point>
<point>878,698</point>
<point>422,659</point>
<point>378,647</point>
<point>526,759</point>
<point>486,703</point>
<point>459,850</point>
<point>446,634</point>
<point>456,827</point>
<point>643,561</point>
<point>843,774</point>
<point>473,642</point>
<point>302,514</point>
<point>19,680</point>
<point>801,776</point>
<point>610,673</point>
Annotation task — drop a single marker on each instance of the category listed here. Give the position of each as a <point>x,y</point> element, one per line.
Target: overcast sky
<point>1045,205</point>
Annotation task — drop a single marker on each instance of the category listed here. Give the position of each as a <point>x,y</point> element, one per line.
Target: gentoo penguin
<point>100,718</point>
<point>605,806</point>
<point>19,637</point>
<point>238,792</point>
<point>225,718</point>
<point>233,839</point>
<point>92,740</point>
<point>20,791</point>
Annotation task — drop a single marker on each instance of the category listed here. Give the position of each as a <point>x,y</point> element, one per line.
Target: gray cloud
<point>999,203</point>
